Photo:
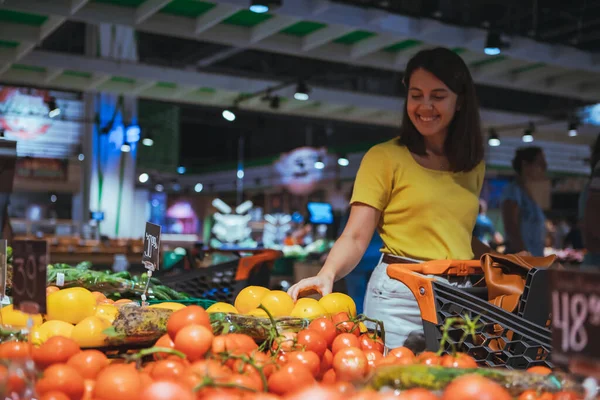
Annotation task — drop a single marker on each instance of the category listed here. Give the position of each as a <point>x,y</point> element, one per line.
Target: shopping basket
<point>222,282</point>
<point>503,339</point>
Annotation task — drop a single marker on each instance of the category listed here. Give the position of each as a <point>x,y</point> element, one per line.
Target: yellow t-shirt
<point>426,214</point>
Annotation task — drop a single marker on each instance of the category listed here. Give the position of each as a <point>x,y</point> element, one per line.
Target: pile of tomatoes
<point>328,360</point>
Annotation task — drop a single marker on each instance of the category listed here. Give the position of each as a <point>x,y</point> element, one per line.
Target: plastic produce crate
<point>502,339</point>
<point>223,282</point>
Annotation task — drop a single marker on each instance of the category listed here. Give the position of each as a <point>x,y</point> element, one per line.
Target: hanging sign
<point>301,169</point>
<point>151,246</point>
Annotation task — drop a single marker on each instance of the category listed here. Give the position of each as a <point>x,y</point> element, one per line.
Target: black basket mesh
<point>503,339</point>
<point>218,282</point>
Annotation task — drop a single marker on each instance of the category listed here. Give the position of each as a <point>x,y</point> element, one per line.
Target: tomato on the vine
<point>167,370</point>
<point>373,357</point>
<point>57,349</point>
<point>88,363</point>
<point>326,362</point>
<point>403,352</point>
<point>350,364</point>
<point>371,342</point>
<point>233,343</point>
<point>245,382</point>
<point>329,377</point>
<point>326,327</point>
<point>539,370</point>
<point>344,340</point>
<point>287,341</point>
<point>166,342</point>
<point>62,378</point>
<point>15,350</point>
<point>291,377</point>
<point>460,360</point>
<point>475,387</point>
<point>344,324</point>
<point>312,341</point>
<point>209,368</point>
<point>307,358</point>
<point>194,341</point>
<point>54,395</point>
<point>118,381</point>
<point>166,390</point>
<point>428,358</point>
<point>191,315</point>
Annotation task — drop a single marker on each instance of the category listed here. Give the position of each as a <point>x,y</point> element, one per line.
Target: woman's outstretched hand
<point>321,283</point>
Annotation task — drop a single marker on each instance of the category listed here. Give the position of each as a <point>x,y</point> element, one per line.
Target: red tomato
<point>325,327</point>
<point>194,341</point>
<point>373,357</point>
<point>368,342</point>
<point>343,324</point>
<point>260,396</point>
<point>475,387</point>
<point>62,378</point>
<point>402,352</point>
<point>344,340</point>
<point>390,359</point>
<point>15,350</point>
<point>167,370</point>
<point>11,382</point>
<point>166,391</point>
<point>343,387</point>
<point>233,343</point>
<point>54,395</point>
<point>312,341</point>
<point>416,394</point>
<point>365,394</point>
<point>326,362</point>
<point>285,342</point>
<point>307,358</point>
<point>57,349</point>
<point>460,360</point>
<point>329,377</point>
<point>290,377</point>
<point>350,364</point>
<point>118,381</point>
<point>166,342</point>
<point>191,315</point>
<point>88,363</point>
<point>315,392</point>
<point>566,396</point>
<point>428,358</point>
<point>539,370</point>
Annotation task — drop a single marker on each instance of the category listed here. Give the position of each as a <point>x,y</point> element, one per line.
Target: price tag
<point>3,271</point>
<point>30,261</point>
<point>151,246</point>
<point>575,297</point>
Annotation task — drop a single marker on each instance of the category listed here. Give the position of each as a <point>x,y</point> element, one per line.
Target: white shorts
<point>392,302</point>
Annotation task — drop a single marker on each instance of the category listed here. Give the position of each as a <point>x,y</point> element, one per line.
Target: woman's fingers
<point>307,283</point>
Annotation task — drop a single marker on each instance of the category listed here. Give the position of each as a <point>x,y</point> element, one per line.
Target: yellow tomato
<point>362,327</point>
<point>17,319</point>
<point>334,303</point>
<point>249,298</point>
<point>278,302</point>
<point>168,306</point>
<point>51,289</point>
<point>258,312</point>
<point>308,308</point>
<point>89,332</point>
<point>99,296</point>
<point>55,328</point>
<point>38,336</point>
<point>107,312</point>
<point>222,308</point>
<point>71,305</point>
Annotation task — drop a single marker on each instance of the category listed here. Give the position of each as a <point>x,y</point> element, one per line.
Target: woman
<point>420,191</point>
<point>589,211</point>
<point>524,220</point>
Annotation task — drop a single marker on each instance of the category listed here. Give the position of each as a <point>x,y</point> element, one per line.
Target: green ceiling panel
<point>168,85</point>
<point>303,28</point>
<point>187,8</point>
<point>124,3</point>
<point>206,90</point>
<point>400,46</point>
<point>459,50</point>
<point>354,37</point>
<point>22,18</point>
<point>22,67</point>
<point>528,67</point>
<point>122,79</point>
<point>10,45</point>
<point>489,60</point>
<point>77,74</point>
<point>247,18</point>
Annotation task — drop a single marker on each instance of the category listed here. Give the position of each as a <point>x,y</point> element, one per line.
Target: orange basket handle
<point>445,267</point>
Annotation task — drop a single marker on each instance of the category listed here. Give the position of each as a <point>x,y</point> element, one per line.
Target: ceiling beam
<point>148,9</point>
<point>324,36</point>
<point>52,74</point>
<point>77,5</point>
<point>214,17</point>
<point>140,87</point>
<point>371,45</point>
<point>271,27</point>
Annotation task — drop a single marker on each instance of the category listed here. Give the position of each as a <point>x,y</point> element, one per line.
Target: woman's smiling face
<point>431,105</point>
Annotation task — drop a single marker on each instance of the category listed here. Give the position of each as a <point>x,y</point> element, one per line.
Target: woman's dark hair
<point>525,154</point>
<point>464,144</point>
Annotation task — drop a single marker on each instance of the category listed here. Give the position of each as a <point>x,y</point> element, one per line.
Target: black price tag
<point>151,246</point>
<point>30,261</point>
<point>575,297</point>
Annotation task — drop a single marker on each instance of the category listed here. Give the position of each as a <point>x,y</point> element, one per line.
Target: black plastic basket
<point>224,281</point>
<point>503,339</point>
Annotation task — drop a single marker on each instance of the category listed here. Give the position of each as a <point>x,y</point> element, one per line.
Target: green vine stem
<point>209,382</point>
<point>137,358</point>
<point>246,360</point>
<point>469,327</point>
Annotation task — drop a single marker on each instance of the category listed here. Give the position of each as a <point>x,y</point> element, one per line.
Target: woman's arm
<point>345,253</point>
<point>512,225</point>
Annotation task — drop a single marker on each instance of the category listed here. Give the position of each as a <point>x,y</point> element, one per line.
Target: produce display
<point>89,346</point>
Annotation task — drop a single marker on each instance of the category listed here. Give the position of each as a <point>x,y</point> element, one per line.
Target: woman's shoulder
<point>512,191</point>
<point>389,149</point>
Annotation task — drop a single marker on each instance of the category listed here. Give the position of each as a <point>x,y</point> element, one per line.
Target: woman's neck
<point>435,145</point>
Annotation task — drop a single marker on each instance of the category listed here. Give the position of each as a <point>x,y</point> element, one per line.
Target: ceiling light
<point>240,174</point>
<point>528,133</point>
<point>263,6</point>
<point>53,198</point>
<point>125,147</point>
<point>573,128</point>
<point>148,141</point>
<point>319,164</point>
<point>343,161</point>
<point>159,187</point>
<point>181,170</point>
<point>229,115</point>
<point>53,109</point>
<point>302,91</point>
<point>143,178</point>
<point>198,188</point>
<point>81,157</point>
<point>494,139</point>
<point>176,186</point>
<point>494,44</point>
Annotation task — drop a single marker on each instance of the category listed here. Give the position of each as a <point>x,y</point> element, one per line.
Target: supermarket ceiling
<point>351,53</point>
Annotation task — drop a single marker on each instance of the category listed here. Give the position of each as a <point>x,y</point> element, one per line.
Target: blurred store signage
<point>23,114</point>
<point>301,169</point>
<point>42,168</point>
<point>590,114</point>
